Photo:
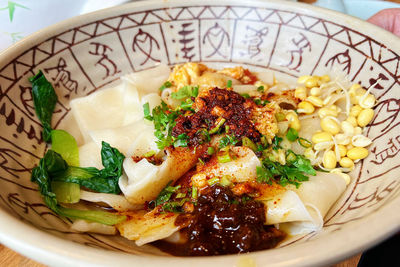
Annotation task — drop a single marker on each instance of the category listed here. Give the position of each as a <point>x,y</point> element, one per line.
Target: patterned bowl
<point>90,52</point>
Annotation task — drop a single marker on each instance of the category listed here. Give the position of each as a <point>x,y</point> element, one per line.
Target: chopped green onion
<point>210,150</point>
<point>220,122</point>
<point>224,158</point>
<point>304,142</point>
<point>194,192</point>
<point>166,85</point>
<point>180,195</point>
<point>213,181</point>
<point>245,95</point>
<point>227,128</point>
<point>260,89</point>
<point>229,84</point>
<point>149,154</point>
<point>280,116</point>
<point>146,112</point>
<point>250,144</point>
<point>292,135</point>
<point>201,161</point>
<point>225,181</point>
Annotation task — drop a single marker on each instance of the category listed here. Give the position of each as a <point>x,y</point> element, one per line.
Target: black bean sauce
<point>223,223</point>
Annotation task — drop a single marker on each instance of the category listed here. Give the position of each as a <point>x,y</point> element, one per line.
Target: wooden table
<point>10,258</point>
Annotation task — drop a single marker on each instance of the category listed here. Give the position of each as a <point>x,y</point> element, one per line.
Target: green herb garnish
<point>166,193</point>
<point>227,140</point>
<point>164,121</point>
<point>166,85</point>
<point>292,135</point>
<point>294,172</point>
<point>185,92</point>
<point>229,84</point>
<point>181,140</point>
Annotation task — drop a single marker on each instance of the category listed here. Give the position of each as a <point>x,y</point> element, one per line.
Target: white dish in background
<point>364,215</point>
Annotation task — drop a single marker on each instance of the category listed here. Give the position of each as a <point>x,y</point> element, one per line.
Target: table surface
<point>11,258</point>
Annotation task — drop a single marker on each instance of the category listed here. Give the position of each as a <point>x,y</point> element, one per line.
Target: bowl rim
<point>23,237</point>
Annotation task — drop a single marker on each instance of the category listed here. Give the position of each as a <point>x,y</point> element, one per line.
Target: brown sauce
<point>222,223</point>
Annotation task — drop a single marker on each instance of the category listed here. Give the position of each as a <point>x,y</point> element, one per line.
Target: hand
<point>389,19</point>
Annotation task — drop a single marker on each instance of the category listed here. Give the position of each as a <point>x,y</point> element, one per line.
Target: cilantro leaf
<point>164,121</point>
<point>181,140</point>
<point>293,172</point>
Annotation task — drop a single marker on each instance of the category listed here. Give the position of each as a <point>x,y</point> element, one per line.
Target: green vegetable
<point>224,157</point>
<point>181,140</point>
<point>185,92</point>
<point>304,142</point>
<point>41,174</point>
<point>194,192</point>
<point>245,95</point>
<point>248,143</point>
<point>174,206</point>
<point>227,140</point>
<point>167,84</point>
<point>294,172</point>
<point>225,181</point>
<point>186,105</point>
<point>292,135</point>
<point>260,102</point>
<point>260,89</point>
<point>44,101</point>
<point>149,154</point>
<point>65,144</point>
<point>220,122</point>
<point>229,84</point>
<point>203,135</point>
<point>104,181</point>
<point>66,192</point>
<point>166,193</point>
<point>276,143</point>
<point>146,112</point>
<point>210,150</point>
<point>180,195</point>
<point>164,121</point>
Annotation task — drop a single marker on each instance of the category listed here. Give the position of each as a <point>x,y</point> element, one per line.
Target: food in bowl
<point>211,161</point>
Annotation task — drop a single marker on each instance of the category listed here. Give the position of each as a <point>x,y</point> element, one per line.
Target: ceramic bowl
<point>90,52</point>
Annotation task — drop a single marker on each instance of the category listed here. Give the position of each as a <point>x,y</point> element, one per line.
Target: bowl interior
<point>91,52</point>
